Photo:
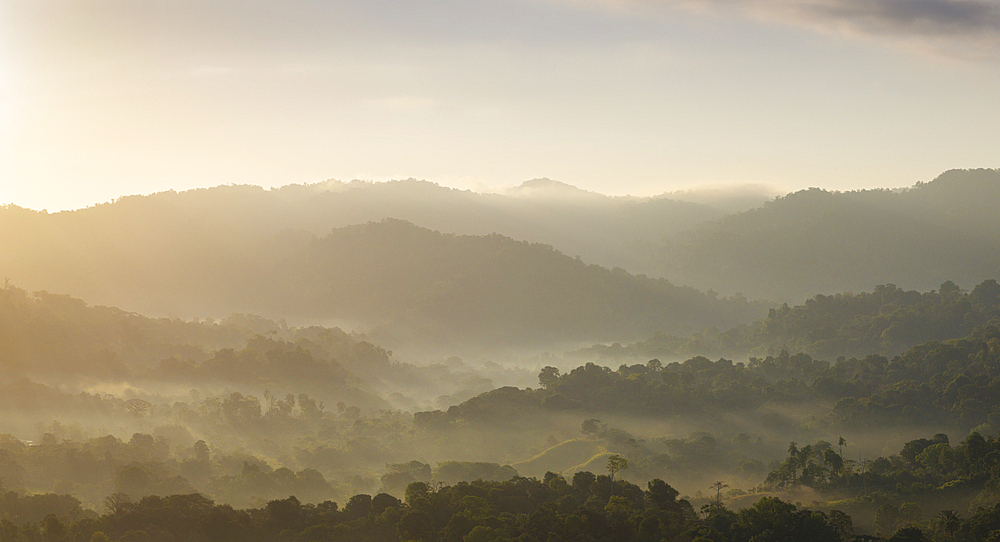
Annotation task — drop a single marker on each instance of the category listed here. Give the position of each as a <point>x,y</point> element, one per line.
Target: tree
<point>548,377</point>
<point>842,523</point>
<point>284,514</point>
<point>888,518</point>
<point>137,406</point>
<point>949,522</point>
<point>241,411</point>
<point>415,525</point>
<point>773,519</point>
<point>909,534</point>
<point>976,448</point>
<point>987,293</point>
<point>359,506</point>
<point>310,408</point>
<point>201,451</point>
<point>416,493</point>
<point>833,459</point>
<point>591,427</point>
<point>53,528</point>
<point>117,503</point>
<point>803,459</point>
<point>615,464</point>
<point>718,487</point>
<point>383,501</point>
<point>582,480</point>
<point>793,457</point>
<point>948,287</point>
<point>660,493</point>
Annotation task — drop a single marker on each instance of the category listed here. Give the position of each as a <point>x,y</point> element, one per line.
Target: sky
<point>106,98</point>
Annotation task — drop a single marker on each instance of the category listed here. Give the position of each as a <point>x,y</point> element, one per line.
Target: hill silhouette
<point>215,252</point>
<point>201,230</point>
<point>421,286</point>
<point>608,231</point>
<point>816,241</point>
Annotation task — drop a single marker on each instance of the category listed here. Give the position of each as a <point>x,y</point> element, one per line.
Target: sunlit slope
<point>814,241</point>
<point>563,457</point>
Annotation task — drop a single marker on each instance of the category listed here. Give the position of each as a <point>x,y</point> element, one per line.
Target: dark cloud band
<point>968,29</point>
<point>908,17</point>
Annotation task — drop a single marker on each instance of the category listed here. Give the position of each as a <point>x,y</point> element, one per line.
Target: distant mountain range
<point>413,261</point>
<point>289,253</point>
<point>400,282</point>
<point>608,231</point>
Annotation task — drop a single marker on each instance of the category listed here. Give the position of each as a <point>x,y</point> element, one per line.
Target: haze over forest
<point>401,347</point>
<point>499,271</point>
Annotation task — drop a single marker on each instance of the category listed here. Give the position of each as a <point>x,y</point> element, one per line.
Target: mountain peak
<point>545,187</point>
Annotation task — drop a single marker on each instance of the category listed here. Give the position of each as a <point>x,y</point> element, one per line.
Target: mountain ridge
<point>816,241</point>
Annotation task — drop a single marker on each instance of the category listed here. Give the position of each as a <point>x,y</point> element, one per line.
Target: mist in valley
<point>466,354</point>
<point>493,271</point>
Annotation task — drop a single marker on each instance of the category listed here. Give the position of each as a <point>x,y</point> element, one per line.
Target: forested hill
<point>423,286</point>
<point>62,340</point>
<point>815,241</point>
<point>952,384</point>
<point>886,321</point>
<point>416,285</point>
<point>207,227</point>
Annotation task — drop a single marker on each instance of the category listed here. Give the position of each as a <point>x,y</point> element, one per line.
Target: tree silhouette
<point>591,427</point>
<point>137,406</point>
<point>718,487</point>
<point>835,461</point>
<point>117,503</point>
<point>793,457</point>
<point>548,377</point>
<point>950,522</point>
<point>615,464</point>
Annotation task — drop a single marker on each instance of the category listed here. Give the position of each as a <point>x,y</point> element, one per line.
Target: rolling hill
<point>820,242</point>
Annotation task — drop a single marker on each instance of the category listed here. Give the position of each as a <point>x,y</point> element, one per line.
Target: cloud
<point>957,28</point>
<point>908,17</point>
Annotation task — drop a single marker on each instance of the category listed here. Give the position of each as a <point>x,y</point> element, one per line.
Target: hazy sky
<point>102,98</point>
